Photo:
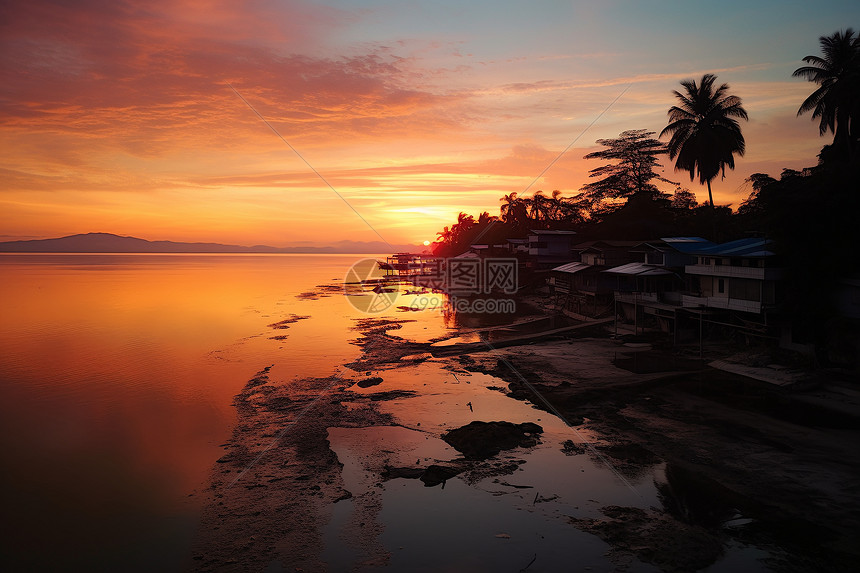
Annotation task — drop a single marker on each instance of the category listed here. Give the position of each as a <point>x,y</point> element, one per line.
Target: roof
<point>468,255</point>
<point>599,245</point>
<point>571,268</point>
<point>639,269</point>
<point>749,247</point>
<point>551,232</point>
<point>684,240</point>
<point>687,245</point>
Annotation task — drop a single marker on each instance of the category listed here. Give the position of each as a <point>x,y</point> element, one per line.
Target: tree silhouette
<point>556,205</point>
<point>514,210</point>
<point>635,154</point>
<point>837,100</point>
<point>538,206</point>
<point>683,198</point>
<point>704,132</point>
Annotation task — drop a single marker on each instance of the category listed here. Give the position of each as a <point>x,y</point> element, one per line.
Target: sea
<point>117,379</point>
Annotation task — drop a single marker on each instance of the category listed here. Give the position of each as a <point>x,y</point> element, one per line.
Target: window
<point>654,258</point>
<point>745,289</point>
<point>721,286</point>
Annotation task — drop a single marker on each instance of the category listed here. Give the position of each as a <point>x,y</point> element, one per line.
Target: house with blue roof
<point>680,284</point>
<point>737,276</point>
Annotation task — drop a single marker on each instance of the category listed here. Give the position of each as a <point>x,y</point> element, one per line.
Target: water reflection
<point>118,373</point>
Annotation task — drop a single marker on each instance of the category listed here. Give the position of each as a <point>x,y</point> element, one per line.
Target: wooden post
<point>615,308</point>
<point>675,327</point>
<point>635,314</point>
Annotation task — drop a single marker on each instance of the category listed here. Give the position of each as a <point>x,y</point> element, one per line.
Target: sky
<point>385,117</point>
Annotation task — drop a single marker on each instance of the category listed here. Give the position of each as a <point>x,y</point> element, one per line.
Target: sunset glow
<point>119,117</point>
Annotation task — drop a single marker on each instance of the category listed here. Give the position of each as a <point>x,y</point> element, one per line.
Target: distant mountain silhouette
<point>110,243</point>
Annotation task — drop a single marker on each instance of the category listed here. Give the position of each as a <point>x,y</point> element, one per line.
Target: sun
<point>426,243</point>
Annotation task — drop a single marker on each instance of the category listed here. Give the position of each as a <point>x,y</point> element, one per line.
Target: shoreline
<point>760,468</point>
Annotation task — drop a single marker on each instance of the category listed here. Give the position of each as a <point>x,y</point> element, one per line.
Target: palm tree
<point>444,236</point>
<point>555,205</point>
<point>514,211</point>
<point>538,206</point>
<point>509,205</point>
<point>485,219</point>
<point>837,101</point>
<point>704,132</point>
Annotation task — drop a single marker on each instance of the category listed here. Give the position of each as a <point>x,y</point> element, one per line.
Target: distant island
<point>110,243</point>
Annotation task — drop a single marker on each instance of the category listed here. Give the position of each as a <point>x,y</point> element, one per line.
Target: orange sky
<point>116,116</point>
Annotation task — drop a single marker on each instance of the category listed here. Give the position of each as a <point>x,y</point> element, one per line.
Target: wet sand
<point>744,466</point>
<point>742,451</point>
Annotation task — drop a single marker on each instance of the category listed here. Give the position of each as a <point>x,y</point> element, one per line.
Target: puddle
<point>514,510</point>
<point>461,528</point>
<point>506,513</point>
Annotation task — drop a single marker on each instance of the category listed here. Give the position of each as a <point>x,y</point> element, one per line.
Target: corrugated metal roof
<point>687,245</point>
<point>601,246</point>
<point>749,247</point>
<point>639,269</point>
<point>673,240</point>
<point>550,232</point>
<point>571,268</point>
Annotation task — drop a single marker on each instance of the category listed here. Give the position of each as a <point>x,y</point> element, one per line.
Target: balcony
<point>734,272</point>
<point>726,303</point>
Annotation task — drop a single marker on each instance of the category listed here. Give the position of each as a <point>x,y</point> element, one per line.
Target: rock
<point>571,448</point>
<point>436,474</point>
<point>368,382</point>
<point>482,440</point>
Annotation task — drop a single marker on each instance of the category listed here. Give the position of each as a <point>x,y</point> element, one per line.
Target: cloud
<point>151,79</point>
<point>118,110</point>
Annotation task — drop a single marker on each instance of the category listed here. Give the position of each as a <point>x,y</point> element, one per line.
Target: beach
<point>647,459</point>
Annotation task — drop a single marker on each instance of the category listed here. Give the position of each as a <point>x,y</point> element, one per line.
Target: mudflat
<point>780,466</point>
<point>745,464</point>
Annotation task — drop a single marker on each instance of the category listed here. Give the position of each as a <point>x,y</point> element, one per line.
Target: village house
<point>735,276</point>
<point>656,277</point>
<point>681,284</point>
<point>548,248</point>
<point>581,287</point>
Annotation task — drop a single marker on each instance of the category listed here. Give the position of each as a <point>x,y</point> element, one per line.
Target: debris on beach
<point>654,537</point>
<point>432,475</point>
<point>284,324</point>
<point>321,291</point>
<point>482,440</point>
<point>417,357</point>
<point>571,448</point>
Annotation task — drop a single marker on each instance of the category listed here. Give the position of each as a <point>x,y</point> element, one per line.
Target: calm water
<point>118,373</point>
